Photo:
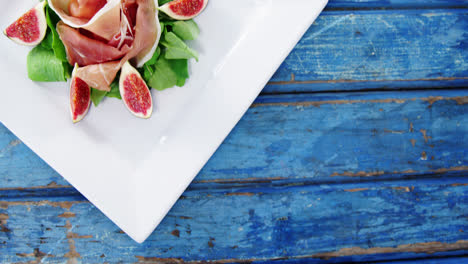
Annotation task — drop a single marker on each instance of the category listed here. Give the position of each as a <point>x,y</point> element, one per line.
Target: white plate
<point>134,170</point>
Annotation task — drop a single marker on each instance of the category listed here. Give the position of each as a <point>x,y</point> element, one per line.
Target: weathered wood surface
<point>395,4</point>
<point>393,49</point>
<point>320,138</point>
<point>306,176</point>
<point>321,184</point>
<point>433,261</point>
<point>339,222</point>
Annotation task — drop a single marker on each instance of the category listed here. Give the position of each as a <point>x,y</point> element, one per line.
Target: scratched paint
<point>394,4</point>
<point>278,200</point>
<point>369,60</point>
<point>18,161</point>
<point>316,137</point>
<point>320,221</point>
<point>315,140</point>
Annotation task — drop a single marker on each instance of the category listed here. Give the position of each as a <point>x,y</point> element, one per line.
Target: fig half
<point>80,97</point>
<point>184,9</point>
<point>30,28</point>
<point>135,93</point>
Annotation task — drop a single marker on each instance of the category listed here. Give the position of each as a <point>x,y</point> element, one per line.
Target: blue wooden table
<point>356,150</point>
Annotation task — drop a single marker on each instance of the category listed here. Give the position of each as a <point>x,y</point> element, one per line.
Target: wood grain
<point>308,175</point>
<point>319,222</point>
<point>296,138</point>
<point>360,50</point>
<point>395,4</point>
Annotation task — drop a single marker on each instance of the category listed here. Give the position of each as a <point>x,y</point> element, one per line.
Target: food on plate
<point>115,48</point>
<point>135,94</point>
<point>80,97</point>
<point>30,28</point>
<point>184,9</point>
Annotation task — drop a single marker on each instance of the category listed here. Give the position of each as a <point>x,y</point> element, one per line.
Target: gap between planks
<point>407,184</point>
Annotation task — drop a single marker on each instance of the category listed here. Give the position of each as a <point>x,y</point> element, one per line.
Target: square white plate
<point>134,170</point>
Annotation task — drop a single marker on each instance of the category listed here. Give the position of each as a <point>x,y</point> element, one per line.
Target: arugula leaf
<point>57,45</point>
<point>148,71</point>
<point>155,57</point>
<point>163,76</point>
<point>176,48</point>
<point>114,92</point>
<point>97,96</point>
<point>67,70</point>
<point>47,42</point>
<point>43,66</point>
<point>166,73</point>
<point>186,30</point>
<point>180,68</point>
<point>48,61</point>
<point>162,2</point>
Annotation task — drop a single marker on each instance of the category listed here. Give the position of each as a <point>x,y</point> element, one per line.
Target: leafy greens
<point>167,68</point>
<point>47,62</point>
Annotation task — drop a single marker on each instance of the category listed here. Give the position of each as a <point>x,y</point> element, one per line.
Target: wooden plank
<point>339,222</point>
<point>297,138</point>
<point>454,260</point>
<point>431,259</point>
<point>21,167</point>
<point>395,4</point>
<point>393,49</point>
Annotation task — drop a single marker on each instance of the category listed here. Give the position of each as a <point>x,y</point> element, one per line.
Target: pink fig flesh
<point>30,28</point>
<point>80,99</point>
<point>135,93</point>
<point>184,9</point>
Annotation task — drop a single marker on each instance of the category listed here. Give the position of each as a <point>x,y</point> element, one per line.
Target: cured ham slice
<point>155,35</point>
<point>105,23</point>
<point>103,60</point>
<point>99,76</point>
<point>85,50</point>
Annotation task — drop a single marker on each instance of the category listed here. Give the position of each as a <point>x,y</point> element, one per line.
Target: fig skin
<point>30,29</point>
<point>135,93</point>
<point>184,9</point>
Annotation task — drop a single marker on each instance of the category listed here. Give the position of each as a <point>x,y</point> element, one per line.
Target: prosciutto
<point>105,23</point>
<point>86,50</point>
<point>99,58</point>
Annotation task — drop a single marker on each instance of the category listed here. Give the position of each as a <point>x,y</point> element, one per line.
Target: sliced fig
<point>134,91</point>
<point>184,9</point>
<point>80,97</point>
<point>30,28</point>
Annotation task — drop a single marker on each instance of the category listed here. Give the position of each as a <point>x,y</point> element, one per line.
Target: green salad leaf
<point>57,45</point>
<point>180,68</point>
<point>114,92</point>
<point>43,66</point>
<point>176,48</point>
<point>162,2</point>
<point>47,62</point>
<point>186,30</point>
<point>97,96</point>
<point>155,57</point>
<point>168,67</point>
<point>166,73</point>
<point>163,76</point>
<point>47,42</point>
